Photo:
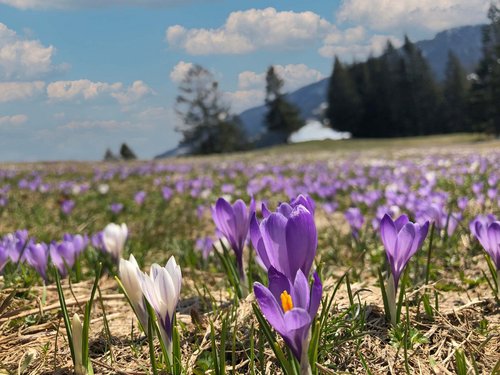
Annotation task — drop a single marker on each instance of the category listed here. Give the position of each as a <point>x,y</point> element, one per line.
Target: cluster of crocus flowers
<point>161,289</point>
<point>401,239</point>
<point>286,239</point>
<point>487,230</point>
<point>19,247</point>
<point>286,242</point>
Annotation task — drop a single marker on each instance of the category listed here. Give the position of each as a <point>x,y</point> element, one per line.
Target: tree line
<point>393,95</point>
<point>397,95</point>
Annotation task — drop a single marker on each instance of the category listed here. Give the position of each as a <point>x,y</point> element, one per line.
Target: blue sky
<point>79,76</point>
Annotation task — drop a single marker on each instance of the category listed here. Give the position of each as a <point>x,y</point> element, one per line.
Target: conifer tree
<point>423,96</point>
<point>485,90</point>
<point>127,153</point>
<point>455,88</point>
<point>344,110</point>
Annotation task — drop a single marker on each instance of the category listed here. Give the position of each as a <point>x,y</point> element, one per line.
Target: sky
<point>80,76</point>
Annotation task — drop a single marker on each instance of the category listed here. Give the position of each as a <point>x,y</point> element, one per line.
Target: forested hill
<point>465,42</point>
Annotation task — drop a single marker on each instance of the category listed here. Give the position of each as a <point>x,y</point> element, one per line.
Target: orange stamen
<point>286,301</point>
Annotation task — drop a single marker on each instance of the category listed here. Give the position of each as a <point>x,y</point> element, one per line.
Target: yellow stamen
<point>286,301</point>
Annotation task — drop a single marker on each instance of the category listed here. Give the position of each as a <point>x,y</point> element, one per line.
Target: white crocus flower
<point>130,275</point>
<point>162,288</point>
<point>114,237</point>
<point>76,328</point>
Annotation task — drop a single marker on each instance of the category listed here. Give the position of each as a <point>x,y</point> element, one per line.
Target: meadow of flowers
<point>374,261</point>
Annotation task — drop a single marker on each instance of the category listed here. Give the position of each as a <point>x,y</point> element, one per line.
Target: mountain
<point>464,41</point>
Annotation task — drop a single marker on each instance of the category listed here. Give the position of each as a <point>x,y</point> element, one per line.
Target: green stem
<point>429,253</point>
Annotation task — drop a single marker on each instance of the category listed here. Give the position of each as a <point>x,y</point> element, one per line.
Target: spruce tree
<point>127,153</point>
<point>485,90</point>
<point>344,110</point>
<point>282,116</point>
<point>455,88</point>
<point>424,97</point>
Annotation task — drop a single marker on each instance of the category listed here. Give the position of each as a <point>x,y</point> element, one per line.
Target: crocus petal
<point>494,242</point>
<point>273,234</point>
<point>301,240</point>
<point>389,234</point>
<point>223,216</point>
<point>278,283</point>
<point>301,293</point>
<point>269,307</point>
<point>403,247</point>
<point>258,243</point>
<point>316,293</point>
<point>400,221</point>
<point>298,324</point>
<point>285,209</point>
<point>265,211</point>
<point>241,223</point>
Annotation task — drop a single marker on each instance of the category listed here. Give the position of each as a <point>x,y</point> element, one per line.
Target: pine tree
<point>127,153</point>
<point>455,88</point>
<point>344,110</point>
<point>109,156</point>
<point>485,90</point>
<point>423,96</point>
<point>282,116</point>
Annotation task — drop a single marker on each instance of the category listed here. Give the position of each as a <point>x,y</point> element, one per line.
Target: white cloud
<point>11,91</point>
<point>425,16</point>
<point>80,89</point>
<point>132,94</point>
<point>353,44</point>
<point>294,76</point>
<point>88,90</point>
<point>12,121</point>
<point>249,30</point>
<point>180,70</point>
<point>23,58</point>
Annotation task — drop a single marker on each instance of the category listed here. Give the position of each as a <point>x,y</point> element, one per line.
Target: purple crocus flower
<point>286,240</point>
<point>494,244</point>
<point>4,257</point>
<point>96,240</point>
<point>401,239</point>
<point>205,245</point>
<point>479,228</point>
<point>304,200</point>
<point>290,308</point>
<point>487,230</point>
<point>355,219</point>
<point>139,197</point>
<point>67,206</point>
<point>16,244</point>
<point>167,193</point>
<point>63,256</point>
<point>116,208</point>
<point>78,241</point>
<point>233,222</point>
<point>36,256</point>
